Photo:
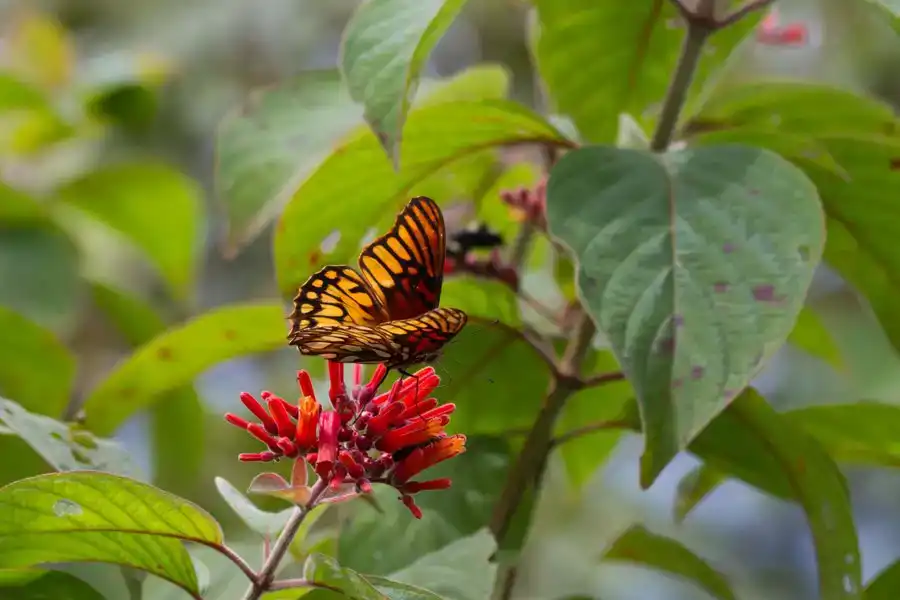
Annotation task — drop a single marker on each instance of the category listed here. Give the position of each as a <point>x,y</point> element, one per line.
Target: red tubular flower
<point>427,456</point>
<point>307,422</point>
<point>369,438</point>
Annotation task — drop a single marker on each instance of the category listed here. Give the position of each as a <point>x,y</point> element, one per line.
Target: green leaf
<point>884,586</point>
<point>17,94</point>
<point>862,221</point>
<point>35,368</point>
<point>694,264</point>
<point>177,419</point>
<point>53,584</point>
<point>176,357</point>
<point>370,542</point>
<point>65,447</point>
<point>494,376</point>
<point>811,335</point>
<point>594,406</point>
<point>599,59</point>
<point>268,145</point>
<point>891,9</point>
<point>386,44</point>
<point>770,451</point>
<point>94,517</point>
<point>459,571</point>
<point>44,263</point>
<point>356,188</point>
<point>261,521</point>
<point>18,208</point>
<point>324,570</point>
<point>395,590</point>
<point>151,204</point>
<point>863,433</point>
<point>642,547</point>
<point>696,485</point>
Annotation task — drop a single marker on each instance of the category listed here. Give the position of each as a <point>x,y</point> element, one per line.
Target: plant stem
<point>267,573</point>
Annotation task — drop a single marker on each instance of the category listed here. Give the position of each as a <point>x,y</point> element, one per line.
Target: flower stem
<point>266,574</point>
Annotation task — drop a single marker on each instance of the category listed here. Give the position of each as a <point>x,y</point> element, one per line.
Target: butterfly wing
<point>404,268</point>
<point>421,338</point>
<point>335,295</point>
<point>346,343</point>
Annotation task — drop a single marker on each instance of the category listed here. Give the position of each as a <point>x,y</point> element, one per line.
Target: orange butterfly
<point>389,314</point>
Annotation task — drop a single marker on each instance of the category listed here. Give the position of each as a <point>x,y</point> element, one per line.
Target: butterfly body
<point>388,312</point>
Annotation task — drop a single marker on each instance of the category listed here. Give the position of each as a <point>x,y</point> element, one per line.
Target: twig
<point>587,429</point>
<point>238,560</point>
<point>602,378</point>
<point>544,350</point>
<point>263,579</point>
<point>743,11</point>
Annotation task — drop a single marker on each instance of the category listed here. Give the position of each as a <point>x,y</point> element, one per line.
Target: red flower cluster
<point>531,204</point>
<point>771,33</point>
<point>368,438</point>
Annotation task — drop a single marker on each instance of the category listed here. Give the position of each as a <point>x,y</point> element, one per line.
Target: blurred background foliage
<point>108,116</point>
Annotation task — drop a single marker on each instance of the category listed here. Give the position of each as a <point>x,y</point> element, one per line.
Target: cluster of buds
<point>367,438</point>
<point>529,204</point>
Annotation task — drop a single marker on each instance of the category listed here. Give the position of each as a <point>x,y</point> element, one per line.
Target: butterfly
<point>387,312</point>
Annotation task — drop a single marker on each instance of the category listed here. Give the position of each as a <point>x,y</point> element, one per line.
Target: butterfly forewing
<point>405,267</point>
<point>335,295</point>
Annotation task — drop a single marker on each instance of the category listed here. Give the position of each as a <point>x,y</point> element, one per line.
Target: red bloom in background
<point>368,438</point>
<point>771,33</point>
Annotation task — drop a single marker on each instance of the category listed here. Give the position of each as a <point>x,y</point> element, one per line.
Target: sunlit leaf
<point>65,447</point>
<point>385,46</point>
<point>18,94</point>
<point>44,263</point>
<point>811,335</point>
<point>95,517</point>
<point>53,584</point>
<point>694,264</point>
<point>383,542</point>
<point>355,188</point>
<point>39,49</point>
<point>459,571</point>
<point>176,357</point>
<point>177,419</point>
<point>36,370</point>
<point>262,522</point>
<point>154,206</point>
<point>647,549</point>
<point>599,59</point>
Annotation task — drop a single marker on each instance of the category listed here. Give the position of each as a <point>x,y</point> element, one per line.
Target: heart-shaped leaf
<point>695,264</point>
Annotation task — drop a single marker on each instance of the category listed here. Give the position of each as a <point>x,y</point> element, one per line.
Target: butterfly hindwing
<point>405,267</point>
<point>335,295</point>
<point>346,343</point>
<point>420,338</point>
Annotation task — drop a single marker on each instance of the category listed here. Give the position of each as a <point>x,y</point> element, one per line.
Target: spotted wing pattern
<point>335,295</point>
<point>394,343</point>
<point>405,267</point>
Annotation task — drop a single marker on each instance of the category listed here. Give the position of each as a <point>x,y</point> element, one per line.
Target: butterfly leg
<point>405,373</point>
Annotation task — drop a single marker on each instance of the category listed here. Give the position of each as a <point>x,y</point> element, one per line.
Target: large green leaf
<point>395,590</point>
<point>355,188</point>
<point>600,59</point>
<point>177,418</point>
<point>60,586</point>
<point>175,358</point>
<point>386,44</point>
<point>462,570</point>
<point>94,517</point>
<point>36,370</point>
<point>370,542</point>
<point>65,447</point>
<point>694,264</point>
<point>270,143</point>
<point>44,264</point>
<point>606,403</point>
<point>752,441</point>
<point>864,219</point>
<point>151,204</point>
<point>642,547</point>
